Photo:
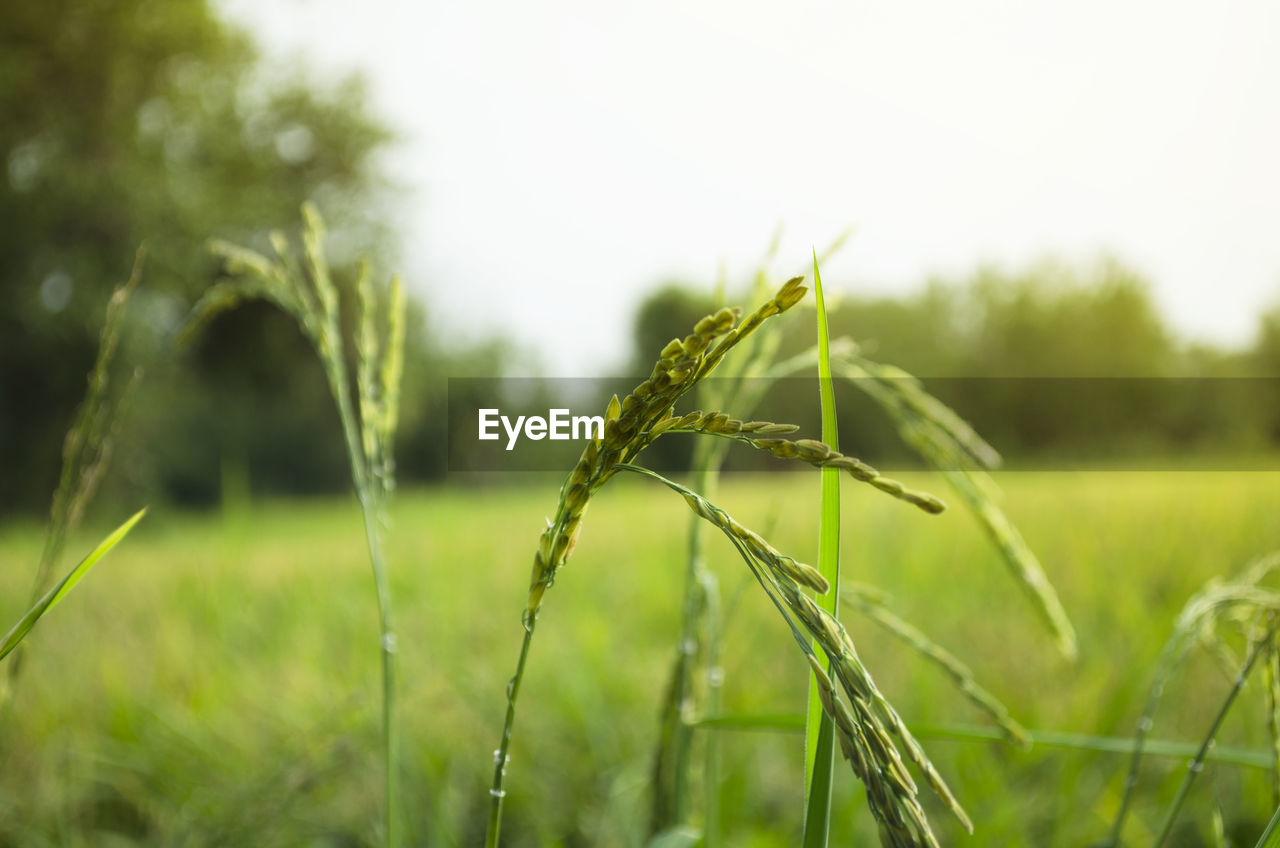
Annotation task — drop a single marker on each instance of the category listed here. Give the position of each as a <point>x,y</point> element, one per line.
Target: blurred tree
<point>1265,355</point>
<point>132,120</point>
<point>1048,359</point>
<point>1055,320</point>
<point>1263,362</point>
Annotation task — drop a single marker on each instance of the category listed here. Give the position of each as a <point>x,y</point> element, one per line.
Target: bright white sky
<point>565,155</point>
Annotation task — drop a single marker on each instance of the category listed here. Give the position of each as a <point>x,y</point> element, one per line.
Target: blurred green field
<point>214,680</point>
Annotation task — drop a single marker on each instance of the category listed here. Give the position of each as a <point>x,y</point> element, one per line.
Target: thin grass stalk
<point>694,608</point>
<point>673,761</point>
<point>86,450</point>
<point>362,451</point>
<point>795,723</point>
<point>1194,768</point>
<point>864,722</point>
<point>629,427</point>
<point>1164,670</point>
<point>961,675</point>
<point>1271,836</point>
<point>306,291</point>
<point>819,747</point>
<point>949,445</point>
<point>869,730</point>
<point>1211,604</point>
<point>711,831</point>
<point>1272,669</point>
<point>700,623</point>
<point>502,755</point>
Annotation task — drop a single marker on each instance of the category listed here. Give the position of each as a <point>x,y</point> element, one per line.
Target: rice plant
<point>1244,609</point>
<point>937,435</point>
<point>86,454</point>
<point>951,447</point>
<point>304,289</point>
<point>742,382</point>
<point>870,733</point>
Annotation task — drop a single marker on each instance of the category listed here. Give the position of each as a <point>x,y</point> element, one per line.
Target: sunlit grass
<point>222,685</point>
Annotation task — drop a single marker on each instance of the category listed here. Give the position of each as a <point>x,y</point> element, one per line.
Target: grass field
<point>215,680</point>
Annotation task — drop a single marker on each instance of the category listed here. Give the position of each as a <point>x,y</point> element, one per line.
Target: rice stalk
<point>949,445</point>
<point>628,429</point>
<point>1258,649</point>
<point>1227,755</point>
<point>864,722</point>
<point>304,289</point>
<point>741,383</point>
<point>872,605</point>
<point>86,450</point>
<point>1243,603</point>
<point>765,436</point>
<point>633,423</point>
<point>1272,676</point>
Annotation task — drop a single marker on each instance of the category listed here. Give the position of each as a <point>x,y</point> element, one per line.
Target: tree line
<point>157,121</point>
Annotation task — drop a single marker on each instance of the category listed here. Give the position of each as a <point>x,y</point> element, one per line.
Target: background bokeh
<point>1064,220</point>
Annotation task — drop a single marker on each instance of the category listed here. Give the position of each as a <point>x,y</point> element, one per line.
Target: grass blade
<point>1171,749</point>
<point>1271,836</point>
<point>819,747</point>
<point>55,595</point>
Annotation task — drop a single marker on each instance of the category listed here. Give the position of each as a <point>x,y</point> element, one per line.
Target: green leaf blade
<point>1271,836</point>
<point>819,733</point>
<point>55,595</point>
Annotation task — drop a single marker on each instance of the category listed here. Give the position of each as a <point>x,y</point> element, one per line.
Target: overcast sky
<point>564,156</point>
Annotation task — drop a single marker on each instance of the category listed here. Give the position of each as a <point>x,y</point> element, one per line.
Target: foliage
<point>226,698</point>
<point>155,120</point>
<point>54,596</point>
<point>1040,360</point>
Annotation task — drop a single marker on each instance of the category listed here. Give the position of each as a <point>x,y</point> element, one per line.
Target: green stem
<point>695,599</point>
<point>1271,836</point>
<point>794,723</point>
<point>497,793</point>
<point>1164,669</point>
<point>370,508</point>
<point>1197,765</point>
<point>388,646</point>
<point>820,733</point>
<point>715,685</point>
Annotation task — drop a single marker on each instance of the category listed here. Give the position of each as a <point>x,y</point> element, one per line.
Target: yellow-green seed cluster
<point>865,723</point>
<point>762,436</point>
<point>866,726</point>
<point>782,566</point>
<point>304,289</point>
<point>629,424</point>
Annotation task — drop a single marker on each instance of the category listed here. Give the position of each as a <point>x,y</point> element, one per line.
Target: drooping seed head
<point>790,294</point>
